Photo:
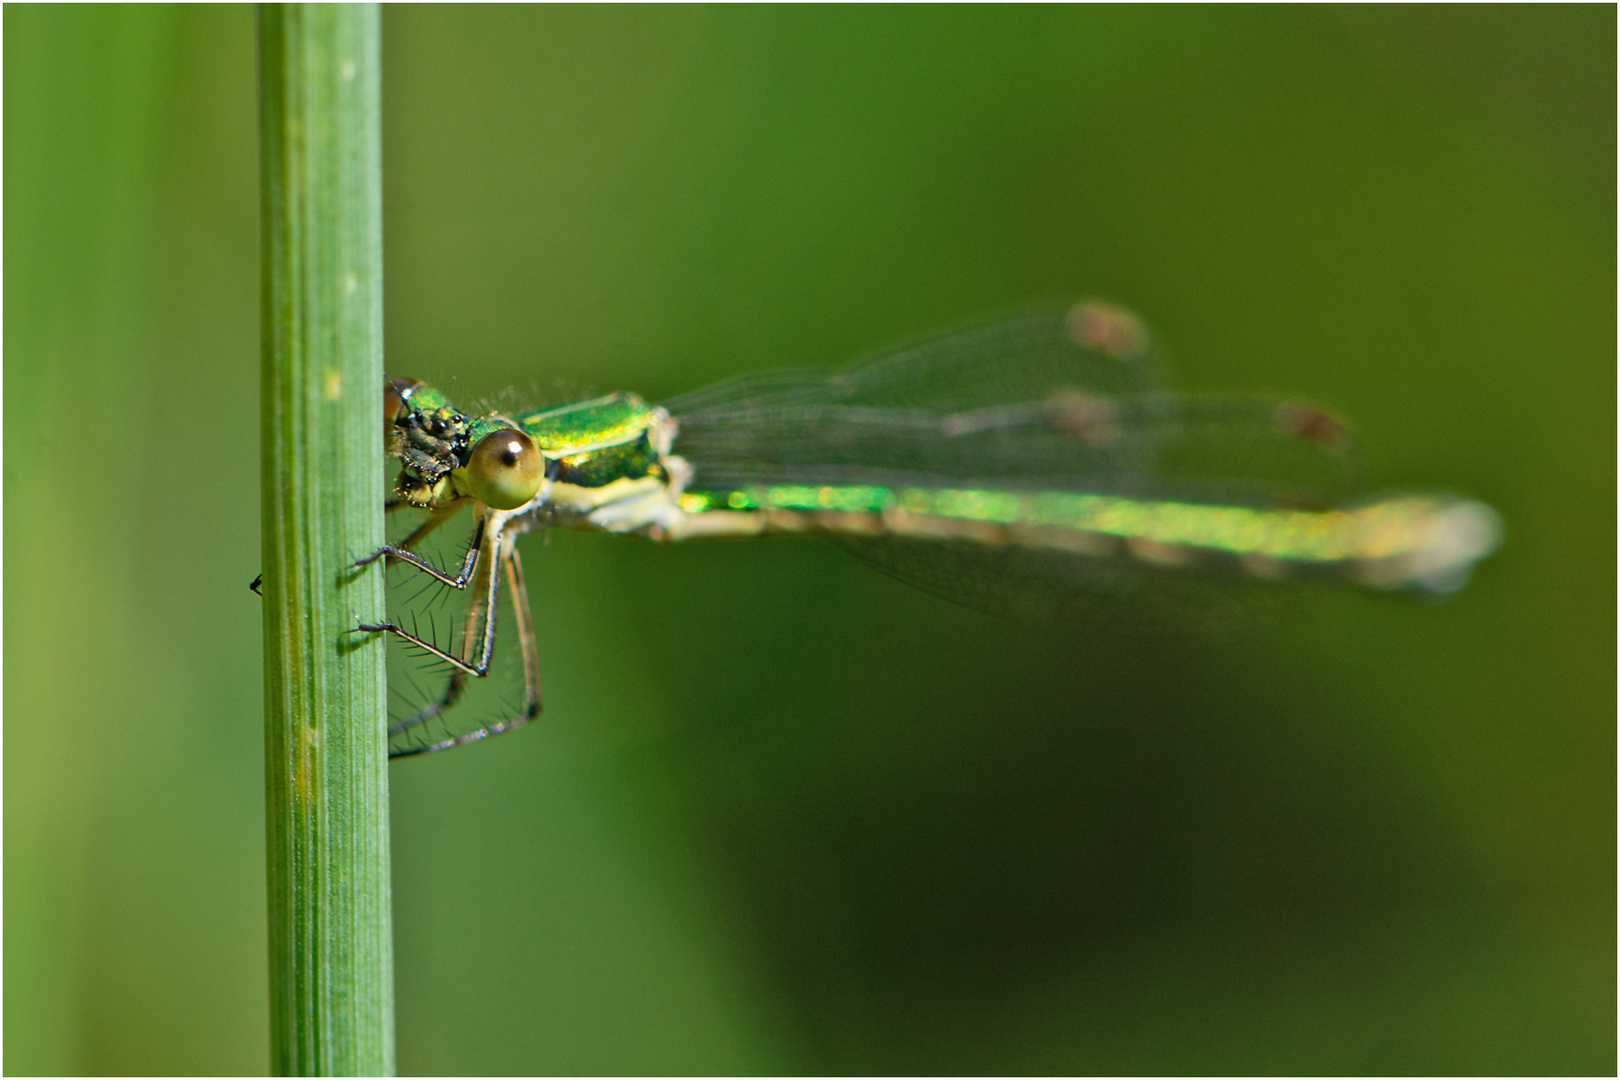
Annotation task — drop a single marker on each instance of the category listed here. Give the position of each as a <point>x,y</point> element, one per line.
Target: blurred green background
<point>783,814</point>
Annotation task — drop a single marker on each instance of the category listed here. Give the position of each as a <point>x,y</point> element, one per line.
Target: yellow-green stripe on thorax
<point>597,442</point>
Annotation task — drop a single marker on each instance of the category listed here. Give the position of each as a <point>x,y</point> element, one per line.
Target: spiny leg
<point>482,606</point>
<point>402,552</point>
<point>519,597</point>
<point>474,561</point>
<point>393,551</point>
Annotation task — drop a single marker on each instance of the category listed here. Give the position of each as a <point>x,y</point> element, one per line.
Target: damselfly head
<point>423,430</point>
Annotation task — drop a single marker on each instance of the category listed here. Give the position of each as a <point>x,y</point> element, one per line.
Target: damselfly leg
<point>492,545</point>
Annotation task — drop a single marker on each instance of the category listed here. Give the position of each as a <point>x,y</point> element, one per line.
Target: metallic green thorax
<point>599,441</point>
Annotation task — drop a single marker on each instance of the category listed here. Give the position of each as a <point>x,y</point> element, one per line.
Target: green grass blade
<point>331,993</point>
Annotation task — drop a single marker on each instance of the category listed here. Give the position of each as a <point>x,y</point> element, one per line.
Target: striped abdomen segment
<point>1426,542</point>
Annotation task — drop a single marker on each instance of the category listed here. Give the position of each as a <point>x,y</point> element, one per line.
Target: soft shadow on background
<point>783,814</point>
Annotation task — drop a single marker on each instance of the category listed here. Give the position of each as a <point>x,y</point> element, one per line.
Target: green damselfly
<point>1031,465</point>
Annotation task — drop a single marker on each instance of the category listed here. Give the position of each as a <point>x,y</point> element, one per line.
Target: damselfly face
<point>447,455</point>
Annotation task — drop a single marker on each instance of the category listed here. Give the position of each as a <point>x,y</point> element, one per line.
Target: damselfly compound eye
<point>503,471</point>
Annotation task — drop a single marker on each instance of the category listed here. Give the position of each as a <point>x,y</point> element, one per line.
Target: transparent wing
<point>1058,398</point>
<point>1254,451</point>
<point>1092,345</point>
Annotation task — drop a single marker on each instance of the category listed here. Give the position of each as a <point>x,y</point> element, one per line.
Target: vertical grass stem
<point>331,962</point>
